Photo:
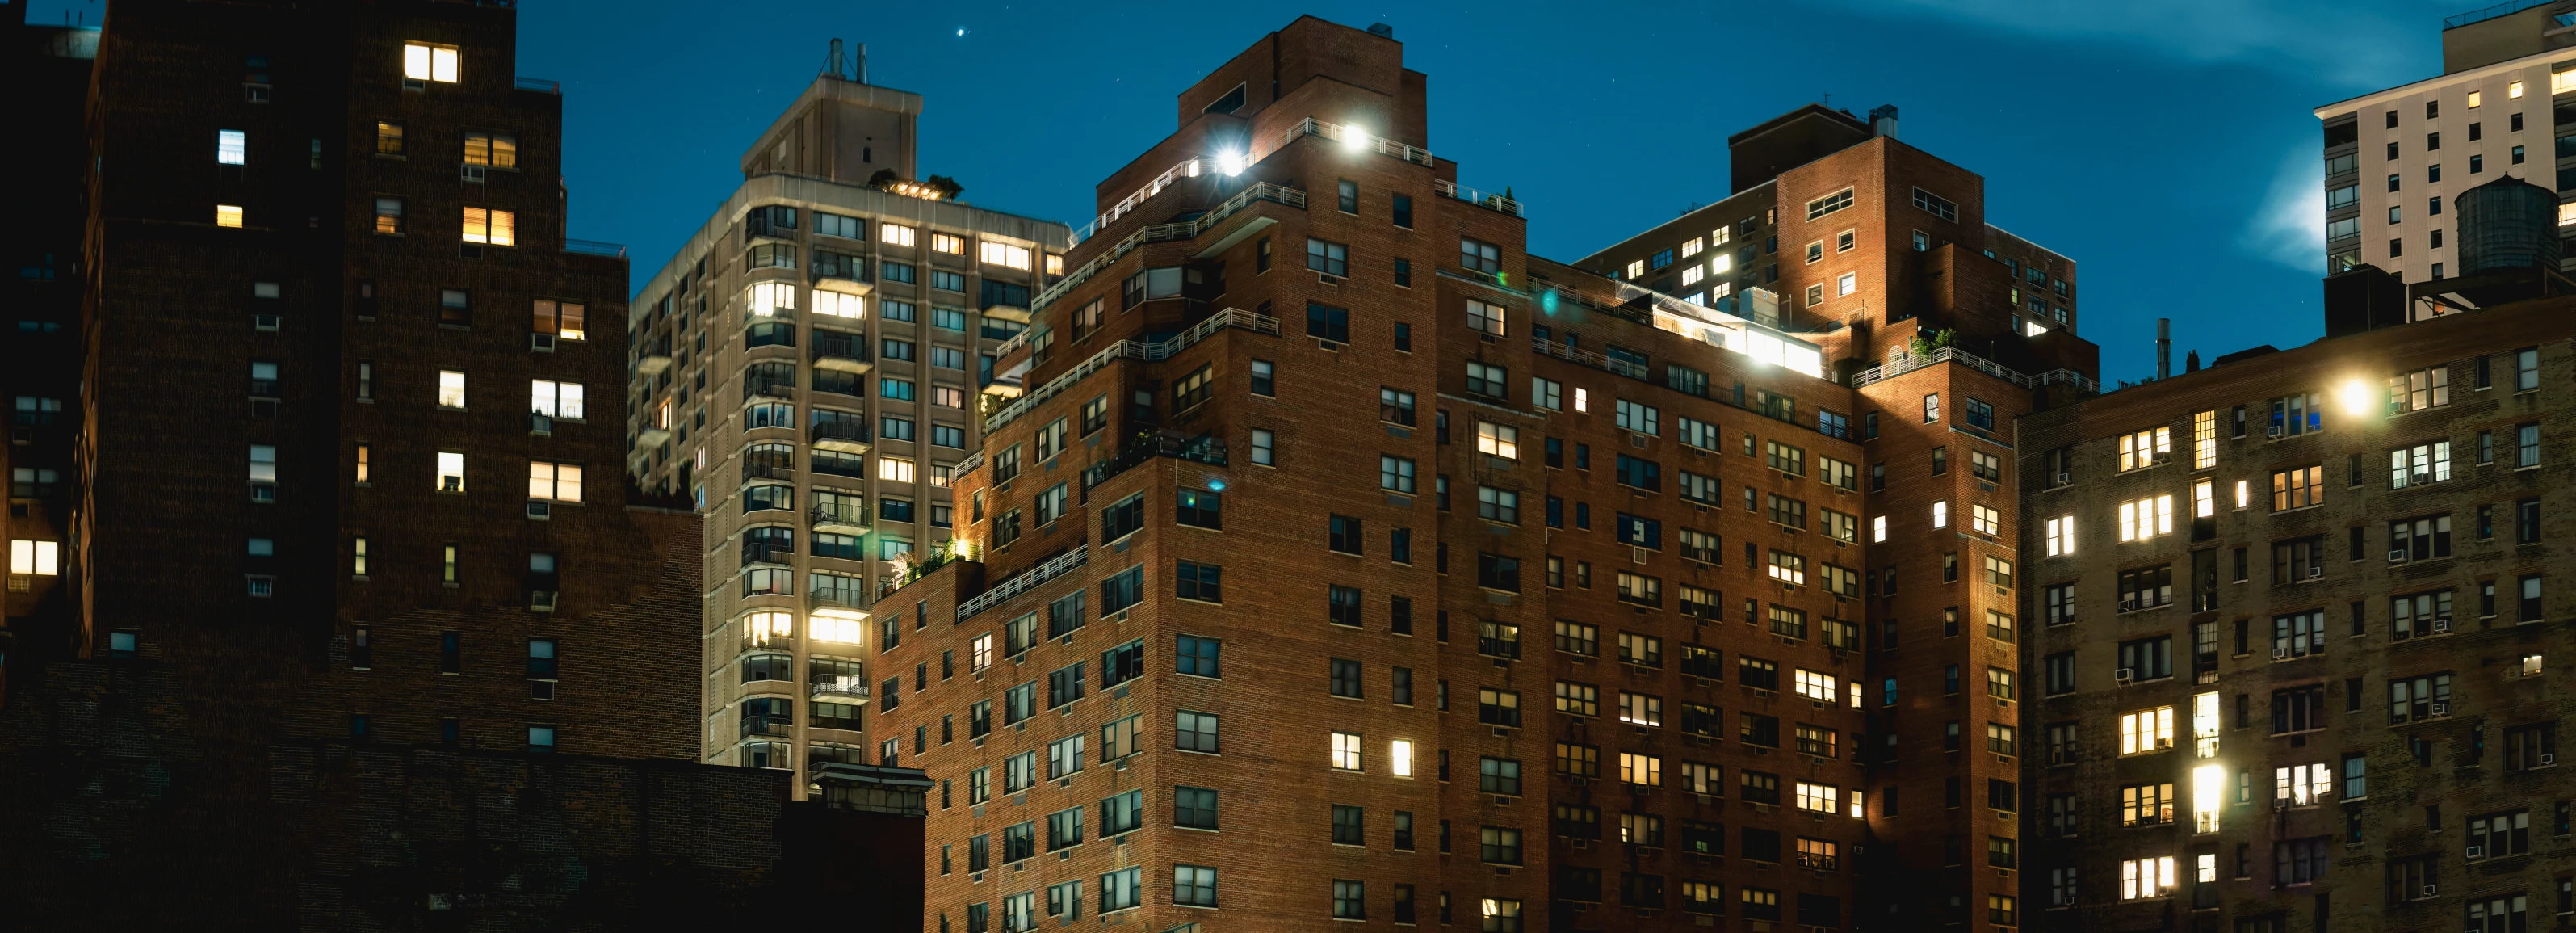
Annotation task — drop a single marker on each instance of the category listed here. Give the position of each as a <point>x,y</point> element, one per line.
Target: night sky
<point>2165,145</point>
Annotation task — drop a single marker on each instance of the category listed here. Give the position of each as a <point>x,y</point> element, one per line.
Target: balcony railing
<point>1589,358</point>
<point>756,726</point>
<point>1262,191</point>
<point>752,471</point>
<point>766,554</point>
<point>1205,448</point>
<point>1341,133</point>
<point>1901,365</point>
<point>839,599</point>
<point>840,688</point>
<point>1478,198</point>
<point>1056,566</point>
<point>1132,349</point>
<point>837,431</point>
<point>848,348</point>
<point>594,248</point>
<point>847,517</point>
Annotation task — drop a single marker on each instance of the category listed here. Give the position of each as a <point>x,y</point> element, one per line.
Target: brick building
<point>354,644</point>
<point>1612,641</point>
<point>808,371</point>
<point>2290,616</point>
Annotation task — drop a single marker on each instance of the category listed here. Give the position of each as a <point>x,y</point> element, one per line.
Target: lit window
<point>498,150</point>
<point>2477,98</point>
<point>1878,529</point>
<point>766,299</point>
<point>2146,877</point>
<point>486,225</point>
<point>897,469</point>
<point>2146,731</point>
<point>2148,448</point>
<point>1400,757</point>
<point>451,471</point>
<point>228,215</point>
<point>948,243</point>
<point>389,216</point>
<point>1484,317</point>
<point>451,389</point>
<point>1941,515</point>
<point>1985,520</point>
<point>2061,536</point>
<point>425,62</point>
<point>1346,751</point>
<point>560,482</point>
<point>1004,254</point>
<point>2242,492</point>
<point>2562,82</point>
<point>2513,90</point>
<point>1498,440</point>
<point>564,319</point>
<point>555,399</point>
<point>1846,283</point>
<point>35,558</point>
<point>231,146</point>
<point>827,626</point>
<point>897,235</point>
<point>2146,518</point>
<point>1818,798</point>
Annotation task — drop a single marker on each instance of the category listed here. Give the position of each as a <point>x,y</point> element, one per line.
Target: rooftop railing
<point>1204,448</point>
<point>1131,349</point>
<point>1480,199</point>
<point>1170,177</point>
<point>1054,567</point>
<point>1342,133</point>
<point>2488,13</point>
<point>1260,191</point>
<point>1901,365</point>
<point>594,248</point>
<point>539,85</point>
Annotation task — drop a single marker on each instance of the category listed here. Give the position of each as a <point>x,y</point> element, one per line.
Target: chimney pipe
<point>1882,121</point>
<point>859,64</point>
<point>2164,347</point>
<point>832,60</point>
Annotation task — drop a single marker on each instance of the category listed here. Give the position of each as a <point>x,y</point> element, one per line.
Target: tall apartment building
<point>2292,615</point>
<point>1427,581</point>
<point>363,648</point>
<point>2395,157</point>
<point>40,333</point>
<point>809,370</point>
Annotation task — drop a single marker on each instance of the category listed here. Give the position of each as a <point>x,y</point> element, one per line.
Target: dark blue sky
<point>2166,145</point>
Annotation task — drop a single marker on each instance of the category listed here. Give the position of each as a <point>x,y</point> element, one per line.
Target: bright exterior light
<point>2355,396</point>
<point>1216,485</point>
<point>1231,163</point>
<point>1354,137</point>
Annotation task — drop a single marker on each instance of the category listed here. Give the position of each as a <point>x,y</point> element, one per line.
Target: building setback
<point>1595,624</point>
<point>2292,616</point>
<point>809,370</point>
<point>367,629</point>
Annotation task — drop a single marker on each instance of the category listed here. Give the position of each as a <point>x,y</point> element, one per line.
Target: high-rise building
<point>2290,621</point>
<point>1427,581</point>
<point>40,333</point>
<point>2395,159</point>
<point>368,629</point>
<point>810,369</point>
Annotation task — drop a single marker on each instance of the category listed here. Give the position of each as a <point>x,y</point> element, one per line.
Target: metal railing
<point>539,85</point>
<point>843,599</point>
<point>836,431</point>
<point>1589,358</point>
<point>751,471</point>
<point>2487,13</point>
<point>840,687</point>
<point>594,248</point>
<point>819,515</point>
<point>1131,349</point>
<point>1908,363</point>
<point>1338,132</point>
<point>766,554</point>
<point>1205,448</point>
<point>1260,191</point>
<point>1054,567</point>
<point>848,348</point>
<point>1497,202</point>
<point>1170,176</point>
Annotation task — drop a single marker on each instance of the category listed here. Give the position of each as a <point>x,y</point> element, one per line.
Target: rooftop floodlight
<point>1354,137</point>
<point>1229,162</point>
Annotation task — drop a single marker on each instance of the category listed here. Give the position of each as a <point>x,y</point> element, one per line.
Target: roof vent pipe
<point>1882,120</point>
<point>2164,347</point>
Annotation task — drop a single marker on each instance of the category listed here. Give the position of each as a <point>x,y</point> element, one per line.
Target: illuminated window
<point>555,399</point>
<point>228,215</point>
<point>2146,518</point>
<point>2146,877</point>
<point>1818,798</point>
<point>1400,757</point>
<point>1941,515</point>
<point>1498,440</point>
<point>495,227</point>
<point>896,469</point>
<point>425,62</point>
<point>1641,770</point>
<point>231,147</point>
<point>1985,520</point>
<point>833,627</point>
<point>451,471</point>
<point>2298,488</point>
<point>1846,283</point>
<point>2144,731</point>
<point>2145,448</point>
<point>1484,317</point>
<point>560,482</point>
<point>1004,254</point>
<point>947,243</point>
<point>35,558</point>
<point>2513,90</point>
<point>897,235</point>
<point>451,389</point>
<point>1346,751</point>
<point>2061,536</point>
<point>564,319</point>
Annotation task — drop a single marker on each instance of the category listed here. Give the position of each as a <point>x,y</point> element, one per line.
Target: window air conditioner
<point>2548,758</point>
<point>2316,571</point>
<point>451,484</point>
<point>2430,890</point>
<point>541,601</point>
<point>469,172</point>
<point>541,343</point>
<point>539,423</point>
<point>2396,554</point>
<point>2124,675</point>
<point>2477,851</point>
<point>2442,624</point>
<point>540,508</point>
<point>2441,709</point>
<point>2280,653</point>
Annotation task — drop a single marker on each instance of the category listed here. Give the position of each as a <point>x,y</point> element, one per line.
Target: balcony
<point>1205,448</point>
<point>839,521</point>
<point>772,555</point>
<point>770,471</point>
<point>838,599</point>
<point>757,726</point>
<point>844,352</point>
<point>840,688</point>
<point>1132,349</point>
<point>843,436</point>
<point>779,390</point>
<point>1493,202</point>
